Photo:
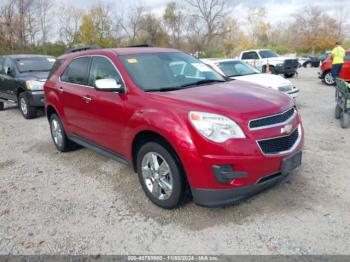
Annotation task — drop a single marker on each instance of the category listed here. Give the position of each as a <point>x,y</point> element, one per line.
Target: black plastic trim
<point>224,173</point>
<point>101,150</point>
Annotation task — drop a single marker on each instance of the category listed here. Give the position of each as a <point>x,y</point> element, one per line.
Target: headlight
<point>285,88</point>
<point>217,128</point>
<point>35,85</point>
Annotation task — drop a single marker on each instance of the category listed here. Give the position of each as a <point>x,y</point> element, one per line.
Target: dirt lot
<point>84,203</point>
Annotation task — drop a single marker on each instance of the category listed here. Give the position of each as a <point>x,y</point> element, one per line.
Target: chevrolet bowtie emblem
<point>287,129</point>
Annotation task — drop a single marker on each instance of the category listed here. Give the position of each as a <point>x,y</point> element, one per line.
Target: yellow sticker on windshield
<point>133,61</point>
<point>21,64</point>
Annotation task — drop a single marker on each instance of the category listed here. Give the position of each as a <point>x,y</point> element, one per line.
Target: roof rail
<point>144,45</point>
<point>82,48</point>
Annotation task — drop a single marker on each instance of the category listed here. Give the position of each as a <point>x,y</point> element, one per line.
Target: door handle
<point>60,90</point>
<point>87,99</point>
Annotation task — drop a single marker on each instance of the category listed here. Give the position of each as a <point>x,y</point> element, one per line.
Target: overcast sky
<point>278,10</point>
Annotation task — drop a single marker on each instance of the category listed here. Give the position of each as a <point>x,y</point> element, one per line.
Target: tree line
<point>202,27</point>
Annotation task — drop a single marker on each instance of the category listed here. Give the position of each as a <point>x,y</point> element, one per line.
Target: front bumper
<point>223,197</point>
<point>35,98</point>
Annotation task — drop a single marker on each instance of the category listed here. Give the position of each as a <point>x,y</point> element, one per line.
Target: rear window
<point>77,72</point>
<point>32,64</point>
<point>55,66</point>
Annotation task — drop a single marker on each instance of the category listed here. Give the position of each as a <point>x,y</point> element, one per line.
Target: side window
<point>250,55</point>
<point>77,71</point>
<point>102,68</point>
<point>347,57</point>
<point>1,65</point>
<point>55,66</point>
<point>7,64</point>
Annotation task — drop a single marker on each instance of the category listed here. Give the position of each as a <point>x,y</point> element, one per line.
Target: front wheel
<point>27,111</point>
<point>161,175</point>
<point>329,79</point>
<point>2,106</point>
<point>344,120</point>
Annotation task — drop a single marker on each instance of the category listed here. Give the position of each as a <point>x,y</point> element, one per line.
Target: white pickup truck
<point>277,64</point>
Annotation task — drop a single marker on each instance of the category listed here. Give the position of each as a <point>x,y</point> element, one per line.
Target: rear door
<point>1,77</point>
<point>73,91</point>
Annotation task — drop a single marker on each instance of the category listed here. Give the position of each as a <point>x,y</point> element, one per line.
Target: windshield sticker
<point>133,61</point>
<point>51,60</point>
<point>201,67</point>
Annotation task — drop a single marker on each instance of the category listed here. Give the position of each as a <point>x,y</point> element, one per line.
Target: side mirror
<point>108,85</point>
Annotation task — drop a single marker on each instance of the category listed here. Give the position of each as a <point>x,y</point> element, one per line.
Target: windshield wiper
<point>201,82</point>
<point>164,89</point>
<point>34,70</point>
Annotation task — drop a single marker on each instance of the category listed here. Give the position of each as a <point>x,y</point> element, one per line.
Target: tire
<point>344,120</point>
<point>337,112</point>
<point>169,188</point>
<point>27,111</point>
<point>289,75</point>
<point>59,136</point>
<point>328,79</point>
<point>2,106</point>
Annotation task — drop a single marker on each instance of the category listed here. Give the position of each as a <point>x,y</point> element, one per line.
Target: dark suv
<point>22,79</point>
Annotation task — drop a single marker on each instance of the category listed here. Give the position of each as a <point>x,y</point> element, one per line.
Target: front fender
<point>172,126</point>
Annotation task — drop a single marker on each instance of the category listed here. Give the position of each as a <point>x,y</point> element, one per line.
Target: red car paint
<point>326,66</point>
<point>113,120</point>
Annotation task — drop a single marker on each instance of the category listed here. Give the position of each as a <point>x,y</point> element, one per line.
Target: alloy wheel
<point>56,131</point>
<point>157,176</point>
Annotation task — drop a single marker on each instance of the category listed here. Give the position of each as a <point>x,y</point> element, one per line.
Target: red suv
<point>326,68</point>
<point>181,126</point>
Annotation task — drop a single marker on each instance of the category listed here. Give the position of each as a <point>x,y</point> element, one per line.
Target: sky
<point>277,10</point>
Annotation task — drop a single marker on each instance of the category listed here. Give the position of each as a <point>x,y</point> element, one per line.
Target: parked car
<point>239,70</point>
<point>183,131</point>
<point>260,58</point>
<point>325,55</point>
<point>22,79</point>
<point>326,70</point>
<point>309,61</point>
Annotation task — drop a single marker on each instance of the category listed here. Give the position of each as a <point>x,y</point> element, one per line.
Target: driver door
<point>7,80</point>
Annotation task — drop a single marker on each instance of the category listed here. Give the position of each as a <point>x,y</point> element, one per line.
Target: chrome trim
<point>296,144</point>
<point>273,125</point>
<point>110,60</point>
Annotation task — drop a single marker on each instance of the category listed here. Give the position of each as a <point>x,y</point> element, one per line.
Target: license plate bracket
<point>290,163</point>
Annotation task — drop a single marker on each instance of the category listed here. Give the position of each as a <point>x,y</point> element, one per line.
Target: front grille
<point>271,120</point>
<point>279,144</point>
<point>290,63</point>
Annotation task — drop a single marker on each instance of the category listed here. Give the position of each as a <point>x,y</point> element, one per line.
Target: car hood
<point>240,100</point>
<point>38,75</point>
<point>267,80</point>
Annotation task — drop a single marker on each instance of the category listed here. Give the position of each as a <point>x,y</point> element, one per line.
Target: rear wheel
<point>337,112</point>
<point>344,120</point>
<point>2,106</point>
<point>328,79</point>
<point>160,175</point>
<point>59,135</point>
<point>27,111</point>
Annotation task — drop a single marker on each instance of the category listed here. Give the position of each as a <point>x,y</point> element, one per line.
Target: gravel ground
<point>84,203</point>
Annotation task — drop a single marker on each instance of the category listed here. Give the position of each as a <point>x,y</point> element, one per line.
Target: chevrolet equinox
<point>184,129</point>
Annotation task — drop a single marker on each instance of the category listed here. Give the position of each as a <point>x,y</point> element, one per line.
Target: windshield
<point>35,64</point>
<point>236,68</point>
<point>168,71</point>
<point>268,54</point>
